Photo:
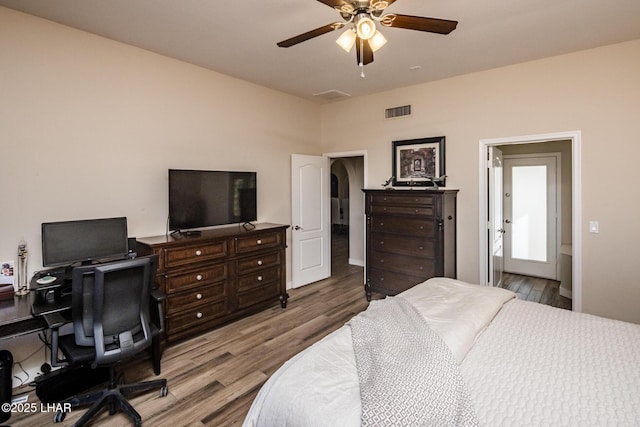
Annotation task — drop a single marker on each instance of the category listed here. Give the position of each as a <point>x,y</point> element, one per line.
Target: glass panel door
<point>529,213</point>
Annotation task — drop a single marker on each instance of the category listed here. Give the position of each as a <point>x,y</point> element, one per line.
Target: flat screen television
<point>84,241</point>
<point>199,198</point>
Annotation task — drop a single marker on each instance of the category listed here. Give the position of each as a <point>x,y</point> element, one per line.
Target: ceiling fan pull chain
<point>361,60</point>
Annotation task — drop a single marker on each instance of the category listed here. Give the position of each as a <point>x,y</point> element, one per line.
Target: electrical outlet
<point>594,227</point>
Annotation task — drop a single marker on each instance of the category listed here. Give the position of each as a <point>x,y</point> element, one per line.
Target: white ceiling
<point>238,38</point>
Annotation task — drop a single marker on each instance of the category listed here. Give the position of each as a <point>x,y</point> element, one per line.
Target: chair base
<point>113,398</point>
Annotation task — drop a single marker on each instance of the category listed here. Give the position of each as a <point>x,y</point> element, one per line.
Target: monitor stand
<point>187,233</point>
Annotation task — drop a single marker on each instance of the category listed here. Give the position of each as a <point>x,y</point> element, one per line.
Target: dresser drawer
<point>194,318</point>
<point>423,211</point>
<point>392,199</point>
<point>257,242</point>
<point>392,283</point>
<point>259,262</point>
<point>403,245</point>
<point>196,297</point>
<point>195,278</point>
<point>195,253</point>
<point>405,226</point>
<point>267,291</point>
<point>413,266</point>
<point>258,279</point>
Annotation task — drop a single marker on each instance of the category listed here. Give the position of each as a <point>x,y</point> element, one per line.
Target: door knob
<point>508,221</point>
<point>297,227</point>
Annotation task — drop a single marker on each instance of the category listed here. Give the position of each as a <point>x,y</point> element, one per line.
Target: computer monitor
<point>66,243</point>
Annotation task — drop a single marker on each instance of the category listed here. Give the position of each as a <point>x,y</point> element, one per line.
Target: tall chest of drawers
<point>411,237</point>
<point>219,275</point>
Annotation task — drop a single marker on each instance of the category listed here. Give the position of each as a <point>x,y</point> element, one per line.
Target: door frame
<point>576,202</point>
<point>364,154</point>
<point>491,209</point>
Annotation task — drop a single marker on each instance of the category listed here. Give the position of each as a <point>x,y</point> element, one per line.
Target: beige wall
<point>89,127</point>
<point>596,92</point>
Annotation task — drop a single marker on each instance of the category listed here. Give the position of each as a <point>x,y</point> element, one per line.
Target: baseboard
<point>565,292</point>
<point>358,262</point>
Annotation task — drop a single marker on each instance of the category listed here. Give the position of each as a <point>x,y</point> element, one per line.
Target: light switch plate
<point>594,227</point>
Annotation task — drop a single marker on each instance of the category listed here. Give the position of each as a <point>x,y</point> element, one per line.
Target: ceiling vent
<point>395,112</point>
<point>331,95</point>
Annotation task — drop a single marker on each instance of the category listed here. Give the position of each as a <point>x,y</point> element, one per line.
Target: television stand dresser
<point>218,275</point>
<point>411,237</point>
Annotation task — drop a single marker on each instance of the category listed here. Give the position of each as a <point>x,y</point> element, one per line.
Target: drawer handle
<point>420,268</point>
<point>198,252</point>
<point>421,248</point>
<point>198,296</point>
<point>259,278</point>
<point>381,242</point>
<point>199,277</point>
<point>259,242</point>
<point>199,315</point>
<point>259,262</point>
<point>421,227</point>
<point>381,224</point>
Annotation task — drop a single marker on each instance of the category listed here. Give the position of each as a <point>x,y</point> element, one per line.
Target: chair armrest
<point>55,320</point>
<point>157,295</point>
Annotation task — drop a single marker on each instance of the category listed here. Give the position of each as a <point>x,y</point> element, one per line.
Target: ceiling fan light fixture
<point>347,40</point>
<point>365,27</point>
<point>377,41</point>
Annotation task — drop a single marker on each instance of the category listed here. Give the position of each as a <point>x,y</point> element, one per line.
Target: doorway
<point>311,213</point>
<point>570,204</point>
<point>347,202</point>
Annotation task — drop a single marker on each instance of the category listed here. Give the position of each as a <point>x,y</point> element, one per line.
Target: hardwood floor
<point>214,377</point>
<point>535,289</point>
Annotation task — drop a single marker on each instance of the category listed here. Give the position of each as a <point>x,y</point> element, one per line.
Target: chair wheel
<point>59,417</point>
<point>164,391</point>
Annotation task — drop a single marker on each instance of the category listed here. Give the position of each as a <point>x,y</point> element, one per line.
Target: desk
<point>16,318</point>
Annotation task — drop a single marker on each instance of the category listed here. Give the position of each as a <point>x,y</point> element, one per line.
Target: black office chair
<point>111,322</point>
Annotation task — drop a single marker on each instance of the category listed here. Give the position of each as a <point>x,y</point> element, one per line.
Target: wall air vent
<point>395,112</point>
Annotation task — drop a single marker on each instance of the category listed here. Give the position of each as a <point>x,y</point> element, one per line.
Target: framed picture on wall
<point>419,162</point>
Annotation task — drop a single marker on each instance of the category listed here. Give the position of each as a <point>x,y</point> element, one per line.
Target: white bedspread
<point>533,365</point>
<point>542,366</point>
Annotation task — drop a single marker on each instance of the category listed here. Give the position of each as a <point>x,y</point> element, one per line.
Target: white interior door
<point>530,205</point>
<point>311,218</point>
<point>495,224</point>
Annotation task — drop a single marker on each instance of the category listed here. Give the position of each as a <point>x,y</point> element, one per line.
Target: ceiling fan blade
<point>311,34</point>
<point>419,23</point>
<point>332,3</point>
<point>364,51</point>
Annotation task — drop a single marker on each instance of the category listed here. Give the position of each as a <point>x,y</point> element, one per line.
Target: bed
<point>520,363</point>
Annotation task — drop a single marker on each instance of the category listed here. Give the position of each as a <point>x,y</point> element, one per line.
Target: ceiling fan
<point>361,16</point>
